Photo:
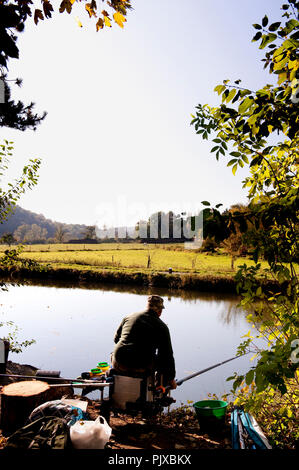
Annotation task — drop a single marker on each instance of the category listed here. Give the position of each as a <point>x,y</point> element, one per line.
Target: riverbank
<point>87,274</point>
<point>132,258</point>
<point>177,429</point>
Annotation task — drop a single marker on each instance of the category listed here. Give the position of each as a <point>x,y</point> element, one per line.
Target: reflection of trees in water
<point>230,312</point>
<point>185,295</point>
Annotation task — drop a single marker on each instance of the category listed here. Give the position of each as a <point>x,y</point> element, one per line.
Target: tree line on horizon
<point>220,230</point>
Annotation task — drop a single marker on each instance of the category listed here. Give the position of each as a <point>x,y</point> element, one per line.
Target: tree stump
<point>18,400</point>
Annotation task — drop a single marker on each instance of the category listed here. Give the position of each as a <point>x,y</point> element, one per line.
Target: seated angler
<point>143,344</point>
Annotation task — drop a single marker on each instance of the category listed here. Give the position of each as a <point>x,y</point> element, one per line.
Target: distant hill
<point>21,217</point>
<point>28,227</point>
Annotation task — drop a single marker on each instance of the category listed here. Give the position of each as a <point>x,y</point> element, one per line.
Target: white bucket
<point>126,389</point>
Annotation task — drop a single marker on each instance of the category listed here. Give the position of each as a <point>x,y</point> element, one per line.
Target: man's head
<point>156,303</point>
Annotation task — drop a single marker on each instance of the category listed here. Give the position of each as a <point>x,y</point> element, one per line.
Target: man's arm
<point>166,363</point>
<point>118,332</point>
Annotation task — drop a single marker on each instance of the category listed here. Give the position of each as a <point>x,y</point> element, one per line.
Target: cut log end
<point>25,389</point>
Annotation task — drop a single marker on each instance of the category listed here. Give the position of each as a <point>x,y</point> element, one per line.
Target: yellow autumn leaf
<point>78,22</point>
<point>293,64</point>
<point>90,10</point>
<point>72,1</point>
<point>253,357</point>
<point>107,21</point>
<point>247,335</point>
<point>282,77</point>
<point>119,19</point>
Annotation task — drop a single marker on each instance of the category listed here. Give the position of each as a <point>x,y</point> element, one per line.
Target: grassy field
<point>133,257</point>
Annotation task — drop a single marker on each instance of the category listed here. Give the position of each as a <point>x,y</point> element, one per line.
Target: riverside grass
<point>133,256</point>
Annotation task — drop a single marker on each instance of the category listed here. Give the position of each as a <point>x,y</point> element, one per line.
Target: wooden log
<point>18,400</point>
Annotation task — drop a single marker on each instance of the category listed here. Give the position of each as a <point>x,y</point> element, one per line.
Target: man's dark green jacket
<point>143,340</point>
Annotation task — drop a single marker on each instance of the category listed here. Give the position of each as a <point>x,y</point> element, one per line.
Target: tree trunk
<point>18,400</point>
<point>233,263</point>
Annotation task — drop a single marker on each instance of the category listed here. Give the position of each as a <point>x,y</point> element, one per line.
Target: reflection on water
<point>129,289</point>
<point>74,326</point>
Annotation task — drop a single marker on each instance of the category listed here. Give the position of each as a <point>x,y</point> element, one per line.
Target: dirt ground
<point>164,432</point>
<point>177,429</point>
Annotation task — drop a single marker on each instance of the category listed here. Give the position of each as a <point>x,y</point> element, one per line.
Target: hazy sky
<point>117,142</point>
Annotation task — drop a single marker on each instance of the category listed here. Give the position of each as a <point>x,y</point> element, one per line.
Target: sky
<point>117,144</point>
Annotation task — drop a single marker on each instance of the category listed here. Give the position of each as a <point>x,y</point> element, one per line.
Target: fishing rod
<point>94,382</point>
<point>188,377</point>
<point>179,382</point>
<point>37,377</point>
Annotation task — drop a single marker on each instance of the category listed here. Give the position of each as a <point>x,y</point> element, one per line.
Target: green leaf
<point>231,162</point>
<point>205,203</point>
<point>225,95</point>
<point>267,39</point>
<point>274,26</point>
<point>231,95</point>
<point>224,145</point>
<point>265,21</point>
<point>258,291</point>
<point>219,89</point>
<point>280,50</point>
<point>238,382</point>
<point>214,148</point>
<point>245,105</point>
<point>290,25</point>
<point>249,377</point>
<point>236,97</point>
<point>232,377</point>
<point>245,92</point>
<point>257,36</point>
<point>263,92</point>
<point>235,154</point>
<point>280,65</point>
<point>257,26</point>
<point>290,44</point>
<point>234,169</point>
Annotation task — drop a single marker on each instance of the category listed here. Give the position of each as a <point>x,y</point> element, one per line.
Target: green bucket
<point>210,413</point>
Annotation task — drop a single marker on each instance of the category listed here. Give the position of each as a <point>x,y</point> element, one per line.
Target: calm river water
<point>74,329</point>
